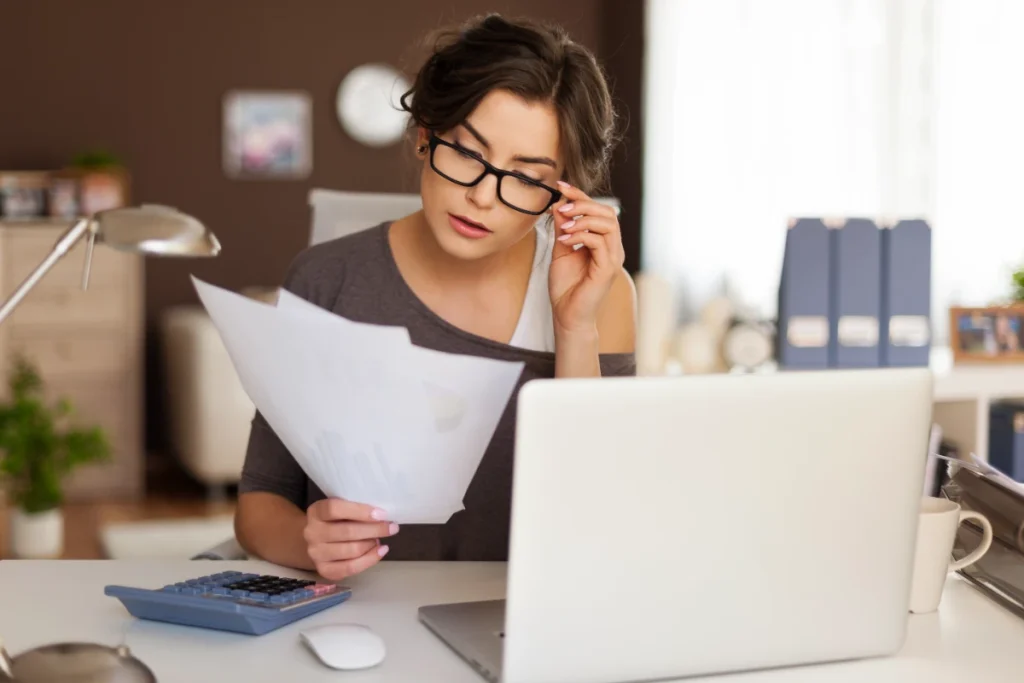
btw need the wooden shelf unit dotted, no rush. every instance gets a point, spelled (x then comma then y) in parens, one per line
(87, 345)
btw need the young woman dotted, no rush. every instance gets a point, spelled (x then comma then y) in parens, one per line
(509, 258)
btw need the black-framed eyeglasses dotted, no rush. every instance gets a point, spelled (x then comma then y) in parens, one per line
(464, 168)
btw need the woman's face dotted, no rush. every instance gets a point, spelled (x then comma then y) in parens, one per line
(511, 134)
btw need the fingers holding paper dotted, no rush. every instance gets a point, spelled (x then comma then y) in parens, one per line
(340, 570)
(328, 553)
(343, 538)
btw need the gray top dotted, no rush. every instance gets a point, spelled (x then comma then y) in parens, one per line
(356, 277)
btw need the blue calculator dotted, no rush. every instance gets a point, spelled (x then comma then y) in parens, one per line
(231, 601)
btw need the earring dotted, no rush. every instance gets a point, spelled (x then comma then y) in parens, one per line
(421, 149)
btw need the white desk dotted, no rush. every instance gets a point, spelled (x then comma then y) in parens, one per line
(969, 639)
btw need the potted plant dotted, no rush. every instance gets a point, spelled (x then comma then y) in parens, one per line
(102, 181)
(1018, 285)
(38, 448)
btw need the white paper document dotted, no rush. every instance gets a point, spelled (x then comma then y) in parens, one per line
(368, 416)
(998, 475)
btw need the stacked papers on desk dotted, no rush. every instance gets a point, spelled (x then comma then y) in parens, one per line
(370, 417)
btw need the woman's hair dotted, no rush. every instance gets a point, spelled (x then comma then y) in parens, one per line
(538, 62)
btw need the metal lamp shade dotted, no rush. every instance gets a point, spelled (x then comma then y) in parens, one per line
(154, 230)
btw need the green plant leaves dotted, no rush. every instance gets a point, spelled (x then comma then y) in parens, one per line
(1018, 285)
(38, 445)
(95, 159)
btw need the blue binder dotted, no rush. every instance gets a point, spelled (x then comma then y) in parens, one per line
(1006, 438)
(906, 329)
(803, 334)
(855, 285)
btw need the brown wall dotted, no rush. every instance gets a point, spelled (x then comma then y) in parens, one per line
(146, 79)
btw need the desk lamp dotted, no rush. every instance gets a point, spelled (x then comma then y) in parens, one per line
(151, 230)
(148, 229)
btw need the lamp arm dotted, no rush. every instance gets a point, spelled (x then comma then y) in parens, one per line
(62, 246)
(89, 245)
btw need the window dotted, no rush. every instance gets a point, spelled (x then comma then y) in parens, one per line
(756, 112)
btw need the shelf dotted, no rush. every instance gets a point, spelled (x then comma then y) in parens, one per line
(963, 395)
(44, 222)
(958, 382)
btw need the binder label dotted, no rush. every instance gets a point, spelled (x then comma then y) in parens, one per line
(808, 331)
(858, 330)
(909, 330)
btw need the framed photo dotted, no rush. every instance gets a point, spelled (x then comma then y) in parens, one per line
(993, 334)
(64, 201)
(268, 135)
(23, 194)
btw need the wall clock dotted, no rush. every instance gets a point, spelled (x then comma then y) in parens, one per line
(368, 105)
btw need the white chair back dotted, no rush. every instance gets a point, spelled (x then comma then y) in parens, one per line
(337, 213)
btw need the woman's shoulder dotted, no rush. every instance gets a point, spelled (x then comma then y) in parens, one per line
(321, 268)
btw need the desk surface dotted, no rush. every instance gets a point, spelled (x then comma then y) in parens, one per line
(969, 638)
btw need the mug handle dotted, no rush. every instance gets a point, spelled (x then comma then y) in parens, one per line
(986, 539)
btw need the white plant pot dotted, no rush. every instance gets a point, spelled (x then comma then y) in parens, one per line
(37, 535)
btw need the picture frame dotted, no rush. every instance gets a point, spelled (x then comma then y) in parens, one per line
(267, 134)
(23, 195)
(989, 334)
(64, 201)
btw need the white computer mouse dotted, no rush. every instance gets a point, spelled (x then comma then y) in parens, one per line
(345, 646)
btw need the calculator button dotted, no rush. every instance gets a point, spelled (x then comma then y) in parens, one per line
(171, 589)
(307, 593)
(279, 600)
(239, 593)
(258, 596)
(322, 588)
(191, 590)
(220, 590)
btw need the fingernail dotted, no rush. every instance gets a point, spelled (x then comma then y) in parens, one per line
(568, 224)
(382, 551)
(566, 209)
(393, 529)
(379, 515)
(562, 183)
(564, 238)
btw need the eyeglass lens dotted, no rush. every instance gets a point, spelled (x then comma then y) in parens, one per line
(466, 169)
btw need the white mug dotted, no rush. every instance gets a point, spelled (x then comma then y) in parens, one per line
(937, 524)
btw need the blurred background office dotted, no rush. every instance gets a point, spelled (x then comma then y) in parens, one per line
(257, 117)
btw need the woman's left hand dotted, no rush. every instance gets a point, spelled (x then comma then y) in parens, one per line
(580, 278)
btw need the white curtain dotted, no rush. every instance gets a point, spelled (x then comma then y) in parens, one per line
(756, 112)
(979, 154)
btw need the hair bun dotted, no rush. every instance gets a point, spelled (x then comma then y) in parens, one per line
(535, 60)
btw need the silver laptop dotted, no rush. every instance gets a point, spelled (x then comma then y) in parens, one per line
(669, 527)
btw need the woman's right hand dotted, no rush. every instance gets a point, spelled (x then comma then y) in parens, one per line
(343, 538)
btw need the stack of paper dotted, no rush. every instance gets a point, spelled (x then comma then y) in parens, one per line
(370, 417)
